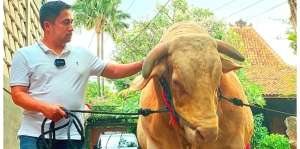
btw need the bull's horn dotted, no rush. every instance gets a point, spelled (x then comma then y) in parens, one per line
(156, 53)
(229, 50)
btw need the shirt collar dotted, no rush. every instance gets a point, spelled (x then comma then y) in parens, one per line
(47, 50)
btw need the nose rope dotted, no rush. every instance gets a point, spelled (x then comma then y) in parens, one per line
(169, 103)
(239, 102)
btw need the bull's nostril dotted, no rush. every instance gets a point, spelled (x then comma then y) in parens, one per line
(198, 134)
(208, 134)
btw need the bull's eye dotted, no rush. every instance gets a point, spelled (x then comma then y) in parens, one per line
(178, 88)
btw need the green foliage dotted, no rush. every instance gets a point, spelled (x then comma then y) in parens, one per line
(259, 131)
(121, 101)
(91, 92)
(274, 141)
(125, 101)
(103, 14)
(180, 10)
(253, 91)
(292, 37)
(121, 84)
(261, 138)
(233, 38)
(201, 14)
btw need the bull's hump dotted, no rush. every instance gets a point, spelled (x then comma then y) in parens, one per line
(181, 29)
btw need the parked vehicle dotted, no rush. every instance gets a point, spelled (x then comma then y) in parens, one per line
(117, 141)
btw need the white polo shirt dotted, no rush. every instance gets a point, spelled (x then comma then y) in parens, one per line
(33, 66)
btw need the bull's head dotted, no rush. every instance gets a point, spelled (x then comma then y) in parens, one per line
(192, 65)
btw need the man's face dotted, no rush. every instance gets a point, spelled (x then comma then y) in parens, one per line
(62, 28)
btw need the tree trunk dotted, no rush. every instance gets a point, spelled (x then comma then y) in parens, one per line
(98, 78)
(102, 57)
(99, 30)
(293, 18)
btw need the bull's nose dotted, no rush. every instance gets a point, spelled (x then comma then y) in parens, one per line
(207, 134)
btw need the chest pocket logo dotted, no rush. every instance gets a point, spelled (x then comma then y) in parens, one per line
(78, 68)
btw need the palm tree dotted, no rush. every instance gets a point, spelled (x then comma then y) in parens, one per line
(101, 15)
(293, 8)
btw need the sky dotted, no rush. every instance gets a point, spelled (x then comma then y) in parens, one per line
(268, 17)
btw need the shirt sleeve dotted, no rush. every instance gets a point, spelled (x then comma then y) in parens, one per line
(19, 73)
(97, 65)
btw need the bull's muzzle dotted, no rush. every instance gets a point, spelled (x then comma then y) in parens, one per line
(207, 134)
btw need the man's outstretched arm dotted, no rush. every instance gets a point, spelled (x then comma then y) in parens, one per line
(116, 71)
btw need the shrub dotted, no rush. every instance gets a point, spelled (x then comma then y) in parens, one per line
(253, 91)
(259, 131)
(274, 141)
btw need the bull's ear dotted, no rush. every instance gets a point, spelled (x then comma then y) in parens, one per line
(139, 82)
(227, 65)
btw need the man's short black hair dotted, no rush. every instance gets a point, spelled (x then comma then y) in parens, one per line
(50, 10)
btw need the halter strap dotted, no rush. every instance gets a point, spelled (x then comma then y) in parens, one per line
(168, 101)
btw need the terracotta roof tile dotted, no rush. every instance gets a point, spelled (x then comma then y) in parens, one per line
(267, 68)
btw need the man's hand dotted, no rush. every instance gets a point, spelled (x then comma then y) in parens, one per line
(53, 112)
(117, 71)
(21, 98)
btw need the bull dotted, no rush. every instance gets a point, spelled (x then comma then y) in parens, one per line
(188, 59)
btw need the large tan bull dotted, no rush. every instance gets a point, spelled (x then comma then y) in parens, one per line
(188, 58)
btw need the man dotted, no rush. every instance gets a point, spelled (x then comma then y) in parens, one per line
(49, 75)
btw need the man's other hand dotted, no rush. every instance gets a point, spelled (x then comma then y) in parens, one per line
(53, 112)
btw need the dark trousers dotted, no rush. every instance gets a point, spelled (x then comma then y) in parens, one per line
(27, 142)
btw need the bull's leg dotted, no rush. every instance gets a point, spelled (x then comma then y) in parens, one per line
(145, 141)
(141, 135)
(237, 142)
(152, 145)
